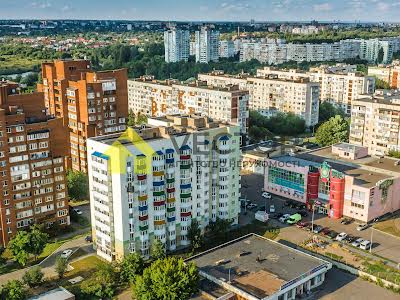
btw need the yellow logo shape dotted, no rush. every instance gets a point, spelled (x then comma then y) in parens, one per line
(119, 154)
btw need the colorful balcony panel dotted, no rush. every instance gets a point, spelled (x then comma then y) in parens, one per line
(186, 214)
(159, 203)
(143, 218)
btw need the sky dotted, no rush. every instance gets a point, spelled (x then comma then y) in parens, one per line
(204, 10)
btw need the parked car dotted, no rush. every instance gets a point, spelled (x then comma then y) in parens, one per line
(357, 242)
(350, 238)
(345, 221)
(251, 205)
(66, 253)
(294, 219)
(244, 202)
(77, 211)
(325, 231)
(276, 216)
(89, 239)
(317, 229)
(303, 213)
(365, 245)
(266, 195)
(302, 224)
(333, 234)
(362, 227)
(272, 208)
(341, 236)
(284, 218)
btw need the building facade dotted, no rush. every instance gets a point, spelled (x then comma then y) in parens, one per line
(377, 50)
(142, 193)
(375, 122)
(338, 85)
(177, 45)
(271, 94)
(32, 164)
(227, 49)
(158, 98)
(207, 45)
(389, 74)
(338, 181)
(91, 103)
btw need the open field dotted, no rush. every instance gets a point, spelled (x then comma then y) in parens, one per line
(391, 226)
(16, 64)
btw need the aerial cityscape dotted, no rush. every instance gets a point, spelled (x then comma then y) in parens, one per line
(200, 150)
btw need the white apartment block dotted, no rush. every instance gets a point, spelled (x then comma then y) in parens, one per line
(370, 50)
(207, 45)
(227, 49)
(375, 122)
(337, 87)
(278, 53)
(272, 94)
(159, 98)
(177, 45)
(139, 197)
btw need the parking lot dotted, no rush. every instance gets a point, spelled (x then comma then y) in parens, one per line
(252, 185)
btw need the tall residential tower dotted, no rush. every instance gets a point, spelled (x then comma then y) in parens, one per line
(177, 45)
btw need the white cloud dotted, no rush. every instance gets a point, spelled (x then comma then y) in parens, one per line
(323, 7)
(41, 4)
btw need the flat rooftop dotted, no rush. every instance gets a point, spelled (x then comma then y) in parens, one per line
(256, 265)
(366, 171)
(59, 293)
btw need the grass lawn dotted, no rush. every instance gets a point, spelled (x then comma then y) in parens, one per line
(16, 64)
(379, 269)
(74, 203)
(391, 226)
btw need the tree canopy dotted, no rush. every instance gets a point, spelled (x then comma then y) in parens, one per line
(78, 185)
(158, 250)
(131, 266)
(335, 130)
(328, 110)
(168, 278)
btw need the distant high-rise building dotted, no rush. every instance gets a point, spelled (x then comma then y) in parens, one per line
(207, 45)
(32, 164)
(92, 103)
(177, 45)
(377, 51)
(227, 49)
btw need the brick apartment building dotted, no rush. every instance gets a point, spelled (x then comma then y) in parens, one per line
(32, 163)
(91, 103)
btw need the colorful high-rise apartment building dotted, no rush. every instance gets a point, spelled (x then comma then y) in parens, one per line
(153, 181)
(32, 164)
(91, 103)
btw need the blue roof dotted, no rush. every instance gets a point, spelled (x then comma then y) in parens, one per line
(184, 147)
(140, 155)
(169, 150)
(100, 155)
(224, 138)
(159, 152)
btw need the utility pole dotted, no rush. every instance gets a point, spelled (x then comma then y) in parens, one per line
(372, 233)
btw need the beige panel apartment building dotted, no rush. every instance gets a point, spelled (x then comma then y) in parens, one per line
(375, 122)
(270, 94)
(159, 98)
(340, 84)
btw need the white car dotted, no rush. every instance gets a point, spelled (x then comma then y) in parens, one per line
(357, 242)
(365, 245)
(341, 236)
(66, 253)
(361, 227)
(266, 195)
(284, 218)
(272, 208)
(77, 211)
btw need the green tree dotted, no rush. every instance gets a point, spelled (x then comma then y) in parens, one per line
(61, 266)
(141, 119)
(78, 185)
(131, 118)
(194, 235)
(335, 130)
(13, 290)
(219, 229)
(19, 247)
(168, 278)
(328, 110)
(103, 282)
(130, 266)
(158, 250)
(33, 277)
(380, 56)
(381, 84)
(37, 240)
